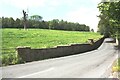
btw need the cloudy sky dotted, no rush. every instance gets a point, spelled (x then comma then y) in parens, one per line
(81, 11)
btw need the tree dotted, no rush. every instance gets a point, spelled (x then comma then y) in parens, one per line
(11, 22)
(53, 24)
(111, 19)
(36, 21)
(0, 22)
(25, 15)
(92, 30)
(104, 26)
(61, 25)
(18, 23)
(8, 22)
(36, 18)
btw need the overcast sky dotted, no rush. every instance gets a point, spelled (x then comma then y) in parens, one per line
(81, 11)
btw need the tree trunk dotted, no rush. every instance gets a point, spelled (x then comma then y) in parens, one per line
(25, 19)
(25, 25)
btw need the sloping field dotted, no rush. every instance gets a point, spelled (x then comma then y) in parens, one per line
(38, 38)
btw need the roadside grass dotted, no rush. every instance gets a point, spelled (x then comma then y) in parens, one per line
(38, 38)
(116, 66)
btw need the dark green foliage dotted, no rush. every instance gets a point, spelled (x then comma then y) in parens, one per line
(109, 23)
(36, 21)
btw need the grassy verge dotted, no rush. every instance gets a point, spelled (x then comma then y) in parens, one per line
(38, 38)
(116, 66)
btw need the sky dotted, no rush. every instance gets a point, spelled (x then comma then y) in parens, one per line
(81, 11)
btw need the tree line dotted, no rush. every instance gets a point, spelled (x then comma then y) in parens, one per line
(109, 23)
(36, 21)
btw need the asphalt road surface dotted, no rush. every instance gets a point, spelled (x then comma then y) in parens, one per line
(93, 64)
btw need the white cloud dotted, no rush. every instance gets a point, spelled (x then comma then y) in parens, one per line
(23, 4)
(96, 1)
(57, 3)
(54, 3)
(81, 13)
(84, 15)
(35, 3)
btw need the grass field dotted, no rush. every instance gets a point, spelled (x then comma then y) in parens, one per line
(38, 38)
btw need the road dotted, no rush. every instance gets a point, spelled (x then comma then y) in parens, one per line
(93, 64)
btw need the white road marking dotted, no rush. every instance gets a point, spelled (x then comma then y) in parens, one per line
(37, 73)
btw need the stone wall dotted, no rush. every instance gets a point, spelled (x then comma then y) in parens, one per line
(28, 54)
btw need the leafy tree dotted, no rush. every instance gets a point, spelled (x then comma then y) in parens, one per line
(110, 19)
(18, 23)
(8, 22)
(44, 25)
(36, 21)
(0, 22)
(92, 30)
(53, 24)
(36, 18)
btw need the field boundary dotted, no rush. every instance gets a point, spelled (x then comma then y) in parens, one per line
(28, 54)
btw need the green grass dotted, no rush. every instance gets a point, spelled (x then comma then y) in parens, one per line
(38, 38)
(116, 66)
